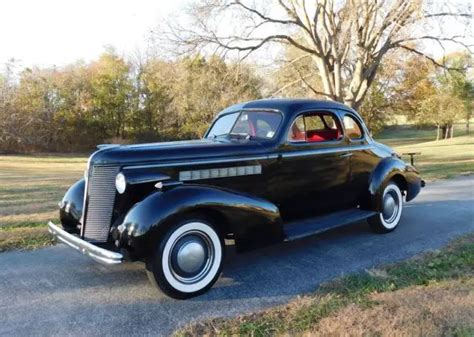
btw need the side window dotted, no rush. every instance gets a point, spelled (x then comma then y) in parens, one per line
(352, 127)
(315, 127)
(330, 121)
(243, 125)
(266, 124)
(313, 123)
(297, 130)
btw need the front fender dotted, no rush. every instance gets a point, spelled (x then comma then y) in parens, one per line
(392, 168)
(70, 208)
(247, 217)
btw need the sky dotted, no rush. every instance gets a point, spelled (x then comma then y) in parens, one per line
(55, 32)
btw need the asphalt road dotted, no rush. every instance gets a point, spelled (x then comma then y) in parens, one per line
(56, 291)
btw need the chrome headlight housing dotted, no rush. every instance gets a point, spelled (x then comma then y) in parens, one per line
(120, 183)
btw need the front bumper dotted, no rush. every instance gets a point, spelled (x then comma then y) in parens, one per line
(101, 255)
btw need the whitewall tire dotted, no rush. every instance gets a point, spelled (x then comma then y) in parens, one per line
(188, 259)
(392, 206)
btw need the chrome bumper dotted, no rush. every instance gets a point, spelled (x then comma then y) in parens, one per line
(101, 255)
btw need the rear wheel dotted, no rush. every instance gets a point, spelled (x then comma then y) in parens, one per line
(392, 205)
(188, 259)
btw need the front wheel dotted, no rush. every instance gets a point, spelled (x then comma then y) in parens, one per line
(392, 205)
(188, 259)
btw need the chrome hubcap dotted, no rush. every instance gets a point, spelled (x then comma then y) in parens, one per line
(191, 257)
(390, 206)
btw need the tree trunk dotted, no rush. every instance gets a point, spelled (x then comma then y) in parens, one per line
(452, 130)
(443, 131)
(437, 132)
(446, 131)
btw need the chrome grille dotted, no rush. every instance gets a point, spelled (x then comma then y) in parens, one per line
(100, 204)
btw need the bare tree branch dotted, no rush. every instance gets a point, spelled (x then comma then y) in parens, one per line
(429, 58)
(346, 40)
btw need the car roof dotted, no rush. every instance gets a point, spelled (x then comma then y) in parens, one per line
(288, 106)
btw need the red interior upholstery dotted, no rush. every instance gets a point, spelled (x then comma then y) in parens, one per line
(314, 135)
(322, 135)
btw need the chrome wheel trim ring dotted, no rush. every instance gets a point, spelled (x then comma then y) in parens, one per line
(392, 199)
(210, 266)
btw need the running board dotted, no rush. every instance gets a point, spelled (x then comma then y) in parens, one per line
(302, 228)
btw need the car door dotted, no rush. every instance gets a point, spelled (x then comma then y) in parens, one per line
(312, 167)
(363, 161)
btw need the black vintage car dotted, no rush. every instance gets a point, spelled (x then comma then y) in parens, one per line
(266, 171)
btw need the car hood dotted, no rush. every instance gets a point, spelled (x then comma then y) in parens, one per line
(174, 151)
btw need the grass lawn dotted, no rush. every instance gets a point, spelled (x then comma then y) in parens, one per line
(30, 189)
(444, 158)
(429, 295)
(398, 135)
(439, 159)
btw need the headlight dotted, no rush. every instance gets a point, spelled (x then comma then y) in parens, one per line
(120, 183)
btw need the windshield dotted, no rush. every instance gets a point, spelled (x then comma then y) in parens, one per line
(248, 124)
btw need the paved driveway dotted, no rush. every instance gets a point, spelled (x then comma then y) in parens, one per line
(56, 291)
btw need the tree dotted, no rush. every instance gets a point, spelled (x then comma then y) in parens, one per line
(178, 99)
(346, 40)
(377, 107)
(380, 101)
(36, 103)
(295, 76)
(458, 82)
(434, 96)
(8, 124)
(76, 123)
(152, 117)
(443, 110)
(416, 82)
(111, 90)
(206, 86)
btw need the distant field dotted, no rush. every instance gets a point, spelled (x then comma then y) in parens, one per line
(444, 158)
(396, 135)
(32, 186)
(438, 159)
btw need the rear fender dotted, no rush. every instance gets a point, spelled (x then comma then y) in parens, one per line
(249, 218)
(392, 168)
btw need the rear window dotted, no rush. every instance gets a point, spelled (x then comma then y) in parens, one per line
(352, 127)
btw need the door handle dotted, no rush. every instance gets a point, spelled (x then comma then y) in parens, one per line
(346, 155)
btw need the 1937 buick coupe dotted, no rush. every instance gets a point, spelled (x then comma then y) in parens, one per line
(266, 171)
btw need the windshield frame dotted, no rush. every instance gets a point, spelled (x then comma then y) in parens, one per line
(240, 111)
